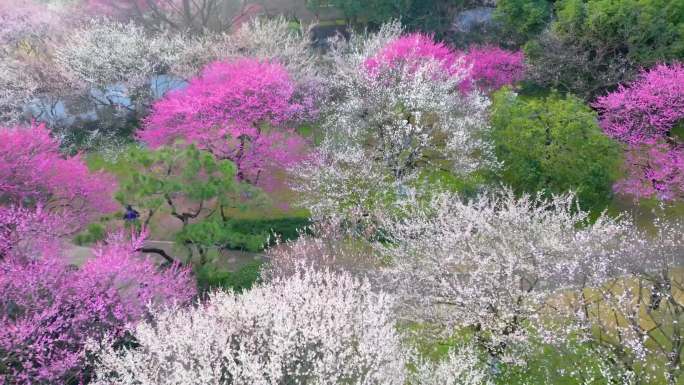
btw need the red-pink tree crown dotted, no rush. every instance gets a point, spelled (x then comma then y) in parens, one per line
(32, 170)
(642, 115)
(239, 110)
(50, 310)
(646, 109)
(487, 68)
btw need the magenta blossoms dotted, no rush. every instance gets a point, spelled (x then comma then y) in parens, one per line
(48, 310)
(644, 115)
(239, 110)
(491, 68)
(646, 109)
(413, 51)
(25, 231)
(654, 169)
(33, 170)
(485, 68)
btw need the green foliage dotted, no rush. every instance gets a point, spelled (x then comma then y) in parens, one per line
(287, 228)
(209, 277)
(173, 176)
(95, 232)
(553, 144)
(251, 235)
(432, 16)
(572, 363)
(216, 233)
(645, 30)
(521, 20)
(371, 11)
(595, 44)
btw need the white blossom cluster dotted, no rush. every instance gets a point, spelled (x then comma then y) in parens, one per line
(383, 131)
(272, 39)
(520, 272)
(637, 315)
(314, 327)
(17, 88)
(105, 53)
(492, 262)
(461, 366)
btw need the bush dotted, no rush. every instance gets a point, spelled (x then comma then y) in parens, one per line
(553, 144)
(209, 277)
(287, 228)
(95, 232)
(48, 310)
(522, 20)
(252, 235)
(596, 44)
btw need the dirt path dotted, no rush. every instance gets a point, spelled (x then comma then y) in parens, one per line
(229, 260)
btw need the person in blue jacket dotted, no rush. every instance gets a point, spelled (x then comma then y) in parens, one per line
(131, 215)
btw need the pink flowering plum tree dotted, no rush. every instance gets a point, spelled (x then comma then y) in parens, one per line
(646, 115)
(413, 51)
(646, 109)
(25, 231)
(485, 68)
(49, 310)
(492, 68)
(33, 171)
(238, 110)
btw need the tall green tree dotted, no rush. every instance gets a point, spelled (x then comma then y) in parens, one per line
(190, 183)
(521, 20)
(595, 44)
(554, 144)
(192, 186)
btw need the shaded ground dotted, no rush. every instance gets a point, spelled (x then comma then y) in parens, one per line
(227, 260)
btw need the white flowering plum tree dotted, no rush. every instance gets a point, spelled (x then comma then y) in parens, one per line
(314, 327)
(389, 128)
(634, 319)
(490, 264)
(105, 53)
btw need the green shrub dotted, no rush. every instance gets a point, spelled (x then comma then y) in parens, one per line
(252, 235)
(554, 144)
(209, 277)
(522, 20)
(595, 44)
(286, 228)
(95, 232)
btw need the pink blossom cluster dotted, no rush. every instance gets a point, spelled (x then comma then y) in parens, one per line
(654, 169)
(33, 171)
(49, 310)
(642, 115)
(26, 231)
(648, 108)
(413, 50)
(486, 68)
(238, 110)
(492, 68)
